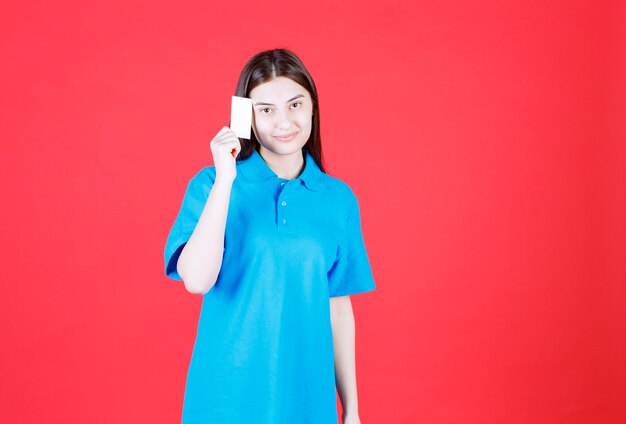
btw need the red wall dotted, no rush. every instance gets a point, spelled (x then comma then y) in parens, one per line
(485, 141)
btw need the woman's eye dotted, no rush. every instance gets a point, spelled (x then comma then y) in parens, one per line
(266, 108)
(297, 103)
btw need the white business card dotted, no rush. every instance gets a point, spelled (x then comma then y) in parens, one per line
(241, 116)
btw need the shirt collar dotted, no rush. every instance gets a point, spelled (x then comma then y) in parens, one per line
(255, 169)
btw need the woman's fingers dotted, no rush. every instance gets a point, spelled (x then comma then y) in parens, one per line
(225, 147)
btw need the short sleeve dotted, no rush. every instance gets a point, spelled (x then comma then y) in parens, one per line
(351, 273)
(189, 213)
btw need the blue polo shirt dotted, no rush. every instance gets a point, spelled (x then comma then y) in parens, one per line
(263, 352)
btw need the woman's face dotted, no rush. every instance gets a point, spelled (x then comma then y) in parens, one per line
(282, 108)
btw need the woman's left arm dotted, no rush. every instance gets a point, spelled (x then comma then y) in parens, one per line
(342, 320)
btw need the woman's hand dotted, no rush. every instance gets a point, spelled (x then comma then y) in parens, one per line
(225, 147)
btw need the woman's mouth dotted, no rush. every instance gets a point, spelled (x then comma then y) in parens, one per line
(286, 138)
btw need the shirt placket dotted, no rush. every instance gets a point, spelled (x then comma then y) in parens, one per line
(283, 223)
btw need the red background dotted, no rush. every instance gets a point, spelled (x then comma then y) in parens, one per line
(484, 139)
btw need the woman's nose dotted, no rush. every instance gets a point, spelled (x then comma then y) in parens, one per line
(282, 121)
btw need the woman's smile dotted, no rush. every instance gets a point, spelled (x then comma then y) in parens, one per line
(286, 138)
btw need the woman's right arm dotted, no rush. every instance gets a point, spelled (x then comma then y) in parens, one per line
(200, 261)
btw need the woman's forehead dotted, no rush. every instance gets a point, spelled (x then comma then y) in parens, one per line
(280, 89)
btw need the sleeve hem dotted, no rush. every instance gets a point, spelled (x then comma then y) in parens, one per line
(351, 292)
(172, 255)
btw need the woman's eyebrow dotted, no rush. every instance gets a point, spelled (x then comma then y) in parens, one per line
(270, 104)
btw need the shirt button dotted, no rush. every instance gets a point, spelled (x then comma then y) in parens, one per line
(284, 203)
(282, 184)
(284, 221)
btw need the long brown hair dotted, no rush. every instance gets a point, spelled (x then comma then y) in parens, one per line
(264, 67)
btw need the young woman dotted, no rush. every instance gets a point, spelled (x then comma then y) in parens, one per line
(274, 245)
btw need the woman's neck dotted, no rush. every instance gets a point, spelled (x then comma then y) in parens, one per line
(284, 166)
